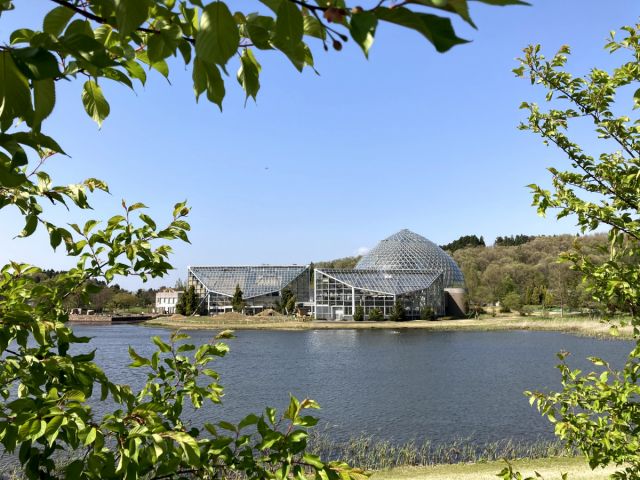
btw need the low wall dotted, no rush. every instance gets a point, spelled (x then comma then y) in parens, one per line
(99, 318)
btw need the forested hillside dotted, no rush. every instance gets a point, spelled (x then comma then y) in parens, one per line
(528, 273)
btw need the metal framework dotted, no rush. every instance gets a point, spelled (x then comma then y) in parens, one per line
(337, 292)
(261, 285)
(407, 250)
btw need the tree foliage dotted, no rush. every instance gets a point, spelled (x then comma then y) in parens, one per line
(513, 240)
(532, 271)
(598, 411)
(464, 242)
(188, 303)
(237, 302)
(375, 315)
(398, 313)
(286, 304)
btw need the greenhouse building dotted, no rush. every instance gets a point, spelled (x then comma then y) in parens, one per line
(262, 285)
(405, 267)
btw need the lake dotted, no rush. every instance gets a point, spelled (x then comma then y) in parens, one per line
(393, 385)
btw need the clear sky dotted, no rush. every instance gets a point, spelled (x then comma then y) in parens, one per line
(326, 165)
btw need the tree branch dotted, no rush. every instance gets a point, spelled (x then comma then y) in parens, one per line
(104, 21)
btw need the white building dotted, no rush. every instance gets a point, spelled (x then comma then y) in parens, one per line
(166, 300)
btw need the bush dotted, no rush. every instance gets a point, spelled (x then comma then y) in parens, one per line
(427, 313)
(511, 302)
(375, 315)
(358, 315)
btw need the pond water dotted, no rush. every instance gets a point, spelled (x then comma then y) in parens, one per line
(393, 385)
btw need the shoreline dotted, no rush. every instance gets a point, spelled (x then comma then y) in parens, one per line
(575, 326)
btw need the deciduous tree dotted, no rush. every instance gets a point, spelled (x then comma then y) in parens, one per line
(598, 411)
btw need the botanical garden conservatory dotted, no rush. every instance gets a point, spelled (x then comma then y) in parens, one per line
(405, 267)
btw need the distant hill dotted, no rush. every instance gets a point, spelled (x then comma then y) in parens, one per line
(345, 262)
(528, 269)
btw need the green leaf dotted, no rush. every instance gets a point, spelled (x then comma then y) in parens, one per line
(94, 102)
(31, 222)
(207, 78)
(636, 99)
(260, 29)
(313, 27)
(249, 73)
(138, 360)
(438, 30)
(15, 95)
(363, 28)
(36, 63)
(44, 99)
(289, 27)
(460, 7)
(250, 419)
(130, 14)
(55, 21)
(164, 347)
(218, 38)
(313, 460)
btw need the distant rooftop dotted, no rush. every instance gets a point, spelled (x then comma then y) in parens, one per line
(254, 280)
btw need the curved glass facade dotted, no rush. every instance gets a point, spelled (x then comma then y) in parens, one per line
(407, 250)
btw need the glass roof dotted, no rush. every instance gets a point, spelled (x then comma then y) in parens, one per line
(407, 250)
(253, 280)
(391, 282)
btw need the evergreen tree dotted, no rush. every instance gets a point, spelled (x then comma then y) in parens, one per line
(358, 315)
(398, 313)
(287, 302)
(375, 315)
(236, 301)
(188, 303)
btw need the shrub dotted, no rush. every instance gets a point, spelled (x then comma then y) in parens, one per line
(358, 314)
(375, 315)
(511, 302)
(427, 313)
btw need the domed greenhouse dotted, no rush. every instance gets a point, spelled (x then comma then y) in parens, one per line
(407, 250)
(404, 267)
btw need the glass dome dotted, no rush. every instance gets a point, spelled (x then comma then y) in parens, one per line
(407, 250)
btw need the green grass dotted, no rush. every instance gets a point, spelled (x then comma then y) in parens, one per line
(549, 468)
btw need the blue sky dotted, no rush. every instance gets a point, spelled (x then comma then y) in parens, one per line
(324, 165)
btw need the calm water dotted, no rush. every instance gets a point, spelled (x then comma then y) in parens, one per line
(395, 385)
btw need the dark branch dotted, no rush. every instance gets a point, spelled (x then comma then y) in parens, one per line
(104, 21)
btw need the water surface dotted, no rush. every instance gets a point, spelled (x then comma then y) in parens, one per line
(395, 385)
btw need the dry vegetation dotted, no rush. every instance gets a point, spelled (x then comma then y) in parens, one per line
(575, 325)
(549, 468)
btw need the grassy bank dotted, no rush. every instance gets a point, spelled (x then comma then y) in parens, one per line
(575, 325)
(549, 468)
(460, 459)
(376, 454)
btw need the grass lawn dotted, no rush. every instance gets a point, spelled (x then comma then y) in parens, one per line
(549, 468)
